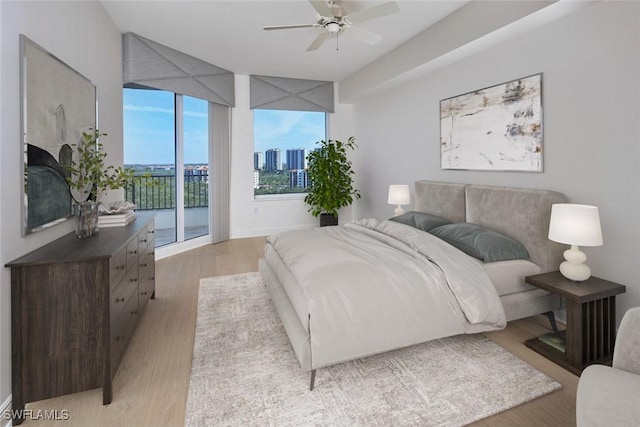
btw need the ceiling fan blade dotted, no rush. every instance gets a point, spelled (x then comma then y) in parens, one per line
(321, 7)
(365, 36)
(373, 12)
(318, 41)
(288, 27)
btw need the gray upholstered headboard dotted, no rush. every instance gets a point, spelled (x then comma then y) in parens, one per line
(444, 199)
(520, 213)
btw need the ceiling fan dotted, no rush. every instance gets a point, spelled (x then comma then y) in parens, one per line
(333, 19)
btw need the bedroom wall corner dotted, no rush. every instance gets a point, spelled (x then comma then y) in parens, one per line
(261, 217)
(590, 72)
(82, 35)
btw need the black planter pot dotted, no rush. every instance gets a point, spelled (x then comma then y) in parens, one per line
(328, 219)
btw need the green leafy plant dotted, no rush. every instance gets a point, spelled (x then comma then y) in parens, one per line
(88, 177)
(331, 177)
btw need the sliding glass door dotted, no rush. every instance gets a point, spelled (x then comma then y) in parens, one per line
(166, 141)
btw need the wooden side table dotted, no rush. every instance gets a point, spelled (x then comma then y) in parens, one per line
(591, 320)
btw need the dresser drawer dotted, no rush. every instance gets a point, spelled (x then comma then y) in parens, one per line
(117, 267)
(121, 294)
(151, 232)
(143, 240)
(122, 331)
(147, 283)
(147, 257)
(132, 253)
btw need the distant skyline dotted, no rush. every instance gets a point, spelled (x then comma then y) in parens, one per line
(149, 128)
(287, 129)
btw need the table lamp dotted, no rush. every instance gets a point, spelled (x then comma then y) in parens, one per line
(399, 195)
(575, 225)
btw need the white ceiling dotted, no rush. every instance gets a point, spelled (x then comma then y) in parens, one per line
(229, 34)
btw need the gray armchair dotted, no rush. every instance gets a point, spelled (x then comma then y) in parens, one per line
(610, 396)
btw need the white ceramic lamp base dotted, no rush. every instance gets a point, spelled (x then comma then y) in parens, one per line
(574, 267)
(398, 211)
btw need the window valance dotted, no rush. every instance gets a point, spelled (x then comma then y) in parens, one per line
(152, 65)
(280, 93)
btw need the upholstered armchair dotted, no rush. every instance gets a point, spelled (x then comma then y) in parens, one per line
(610, 396)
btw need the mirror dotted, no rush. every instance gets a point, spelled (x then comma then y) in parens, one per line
(57, 105)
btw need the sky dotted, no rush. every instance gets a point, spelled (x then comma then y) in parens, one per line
(287, 129)
(149, 128)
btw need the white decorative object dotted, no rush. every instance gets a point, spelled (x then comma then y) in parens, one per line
(399, 195)
(117, 207)
(575, 225)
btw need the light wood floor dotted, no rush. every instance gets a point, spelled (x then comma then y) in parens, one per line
(151, 386)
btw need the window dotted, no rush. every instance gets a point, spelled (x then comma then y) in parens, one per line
(282, 140)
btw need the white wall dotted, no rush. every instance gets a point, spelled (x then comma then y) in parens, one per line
(250, 217)
(83, 36)
(591, 92)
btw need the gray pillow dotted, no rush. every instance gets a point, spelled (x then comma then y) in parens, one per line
(420, 220)
(479, 242)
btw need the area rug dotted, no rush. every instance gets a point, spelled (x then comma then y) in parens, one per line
(244, 372)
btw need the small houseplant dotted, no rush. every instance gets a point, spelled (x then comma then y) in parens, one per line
(89, 179)
(331, 180)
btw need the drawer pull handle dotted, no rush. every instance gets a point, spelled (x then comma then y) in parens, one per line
(152, 278)
(133, 252)
(119, 267)
(133, 279)
(120, 338)
(152, 231)
(144, 240)
(143, 293)
(133, 313)
(120, 299)
(143, 265)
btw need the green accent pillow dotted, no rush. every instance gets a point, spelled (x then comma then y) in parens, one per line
(479, 242)
(420, 220)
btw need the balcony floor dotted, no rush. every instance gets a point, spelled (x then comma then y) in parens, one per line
(164, 236)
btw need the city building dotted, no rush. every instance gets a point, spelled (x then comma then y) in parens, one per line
(298, 179)
(273, 159)
(297, 159)
(258, 160)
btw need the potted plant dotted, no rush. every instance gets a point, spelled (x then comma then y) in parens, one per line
(89, 179)
(331, 181)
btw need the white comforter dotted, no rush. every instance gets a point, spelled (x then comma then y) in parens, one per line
(375, 286)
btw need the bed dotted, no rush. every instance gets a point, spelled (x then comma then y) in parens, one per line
(372, 286)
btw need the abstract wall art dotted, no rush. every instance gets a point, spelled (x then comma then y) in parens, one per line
(498, 128)
(58, 104)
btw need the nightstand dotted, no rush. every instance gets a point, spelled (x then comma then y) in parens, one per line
(591, 321)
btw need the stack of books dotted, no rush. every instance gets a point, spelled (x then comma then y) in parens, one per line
(555, 340)
(116, 220)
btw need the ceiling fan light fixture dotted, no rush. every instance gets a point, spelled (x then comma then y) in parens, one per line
(332, 27)
(332, 20)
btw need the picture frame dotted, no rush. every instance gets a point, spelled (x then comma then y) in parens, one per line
(57, 105)
(498, 128)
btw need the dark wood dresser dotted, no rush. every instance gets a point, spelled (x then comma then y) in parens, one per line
(75, 304)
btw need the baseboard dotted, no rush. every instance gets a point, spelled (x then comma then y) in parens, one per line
(6, 406)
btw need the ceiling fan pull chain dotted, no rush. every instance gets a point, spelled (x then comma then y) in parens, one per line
(337, 35)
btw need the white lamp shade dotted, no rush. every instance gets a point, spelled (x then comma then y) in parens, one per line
(575, 225)
(399, 195)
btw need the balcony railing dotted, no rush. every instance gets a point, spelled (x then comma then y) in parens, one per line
(151, 192)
